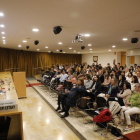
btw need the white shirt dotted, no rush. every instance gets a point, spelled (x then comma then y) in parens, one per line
(129, 79)
(133, 86)
(60, 67)
(126, 74)
(63, 77)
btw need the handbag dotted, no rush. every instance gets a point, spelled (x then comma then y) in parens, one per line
(116, 132)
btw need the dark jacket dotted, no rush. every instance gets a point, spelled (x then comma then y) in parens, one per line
(101, 78)
(114, 91)
(98, 87)
(73, 95)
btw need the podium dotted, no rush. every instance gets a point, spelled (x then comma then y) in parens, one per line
(20, 83)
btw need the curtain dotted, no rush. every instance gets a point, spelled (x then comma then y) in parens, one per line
(27, 60)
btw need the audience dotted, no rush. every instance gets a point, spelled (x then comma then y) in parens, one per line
(134, 82)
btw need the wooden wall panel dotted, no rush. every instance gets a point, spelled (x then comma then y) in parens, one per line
(131, 59)
(28, 60)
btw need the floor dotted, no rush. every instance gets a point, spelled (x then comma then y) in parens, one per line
(41, 122)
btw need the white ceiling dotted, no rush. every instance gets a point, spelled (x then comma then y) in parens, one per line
(107, 21)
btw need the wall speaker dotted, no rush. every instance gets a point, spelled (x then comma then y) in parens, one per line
(57, 30)
(36, 42)
(134, 40)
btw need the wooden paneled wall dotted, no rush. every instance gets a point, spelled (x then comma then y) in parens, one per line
(28, 60)
(131, 59)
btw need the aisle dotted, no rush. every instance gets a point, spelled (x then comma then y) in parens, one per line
(40, 122)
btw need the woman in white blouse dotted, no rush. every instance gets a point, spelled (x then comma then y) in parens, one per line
(129, 77)
(126, 72)
(134, 82)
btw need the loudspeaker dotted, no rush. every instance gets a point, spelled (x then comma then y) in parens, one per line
(36, 42)
(60, 50)
(134, 40)
(83, 47)
(57, 30)
(27, 47)
(51, 51)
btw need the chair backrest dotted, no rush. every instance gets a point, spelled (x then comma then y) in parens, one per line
(101, 102)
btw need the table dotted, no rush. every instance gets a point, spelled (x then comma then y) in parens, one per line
(16, 125)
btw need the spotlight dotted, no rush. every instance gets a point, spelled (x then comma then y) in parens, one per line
(27, 47)
(36, 42)
(51, 51)
(60, 50)
(83, 47)
(57, 30)
(134, 40)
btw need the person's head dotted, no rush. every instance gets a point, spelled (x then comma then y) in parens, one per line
(123, 73)
(69, 72)
(124, 65)
(118, 64)
(113, 72)
(130, 74)
(108, 64)
(94, 73)
(96, 63)
(64, 71)
(113, 81)
(88, 77)
(138, 74)
(80, 82)
(96, 78)
(135, 65)
(120, 68)
(126, 70)
(52, 69)
(127, 85)
(107, 74)
(84, 68)
(100, 72)
(131, 68)
(134, 79)
(74, 81)
(75, 74)
(137, 88)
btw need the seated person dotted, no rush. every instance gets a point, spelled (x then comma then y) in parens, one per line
(69, 76)
(95, 88)
(113, 74)
(129, 77)
(126, 93)
(121, 81)
(77, 71)
(101, 76)
(50, 75)
(131, 107)
(107, 79)
(64, 76)
(112, 90)
(77, 90)
(88, 81)
(73, 76)
(120, 70)
(134, 82)
(94, 74)
(126, 72)
(135, 73)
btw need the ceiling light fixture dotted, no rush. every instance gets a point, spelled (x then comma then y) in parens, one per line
(109, 50)
(49, 51)
(3, 40)
(19, 45)
(90, 49)
(38, 49)
(2, 25)
(2, 32)
(3, 37)
(63, 52)
(124, 39)
(35, 30)
(57, 50)
(113, 46)
(74, 50)
(60, 43)
(89, 44)
(1, 14)
(46, 47)
(24, 41)
(87, 35)
(78, 52)
(70, 48)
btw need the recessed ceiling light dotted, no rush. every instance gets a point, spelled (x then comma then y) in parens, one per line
(35, 30)
(90, 49)
(38, 49)
(89, 44)
(87, 35)
(3, 37)
(70, 48)
(113, 46)
(74, 50)
(1, 14)
(49, 51)
(78, 52)
(19, 45)
(63, 52)
(60, 43)
(24, 41)
(1, 25)
(3, 40)
(2, 32)
(124, 39)
(57, 50)
(46, 47)
(109, 50)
